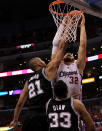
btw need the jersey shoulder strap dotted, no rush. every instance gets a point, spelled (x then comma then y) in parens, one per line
(44, 74)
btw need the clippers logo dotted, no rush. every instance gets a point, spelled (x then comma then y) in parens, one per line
(67, 74)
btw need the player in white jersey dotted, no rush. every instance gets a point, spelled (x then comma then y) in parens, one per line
(71, 76)
(71, 71)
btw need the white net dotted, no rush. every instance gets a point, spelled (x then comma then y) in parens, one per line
(66, 19)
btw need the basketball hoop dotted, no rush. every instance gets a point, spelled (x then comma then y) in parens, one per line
(67, 16)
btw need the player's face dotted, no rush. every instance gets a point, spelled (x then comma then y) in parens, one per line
(68, 57)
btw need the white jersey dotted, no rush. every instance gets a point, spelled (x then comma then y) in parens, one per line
(71, 76)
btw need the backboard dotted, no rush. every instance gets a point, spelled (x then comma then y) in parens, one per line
(92, 7)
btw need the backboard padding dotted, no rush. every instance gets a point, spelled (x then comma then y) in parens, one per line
(83, 5)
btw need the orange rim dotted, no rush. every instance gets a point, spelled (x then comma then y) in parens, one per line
(61, 2)
(56, 3)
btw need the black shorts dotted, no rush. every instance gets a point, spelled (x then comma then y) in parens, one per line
(35, 122)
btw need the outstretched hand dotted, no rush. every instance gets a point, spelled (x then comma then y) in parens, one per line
(82, 20)
(13, 124)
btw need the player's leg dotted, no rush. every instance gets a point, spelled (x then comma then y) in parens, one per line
(39, 123)
(26, 123)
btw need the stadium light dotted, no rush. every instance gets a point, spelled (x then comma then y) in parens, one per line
(6, 128)
(15, 92)
(100, 77)
(14, 73)
(26, 71)
(88, 80)
(3, 93)
(25, 46)
(92, 58)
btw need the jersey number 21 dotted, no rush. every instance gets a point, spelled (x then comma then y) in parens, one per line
(34, 89)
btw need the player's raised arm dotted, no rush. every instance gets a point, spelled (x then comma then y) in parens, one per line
(81, 61)
(60, 32)
(53, 65)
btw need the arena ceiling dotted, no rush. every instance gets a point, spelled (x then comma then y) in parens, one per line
(18, 15)
(22, 10)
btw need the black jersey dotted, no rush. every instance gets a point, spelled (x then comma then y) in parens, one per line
(62, 116)
(39, 89)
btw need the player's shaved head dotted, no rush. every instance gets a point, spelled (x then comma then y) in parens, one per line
(60, 89)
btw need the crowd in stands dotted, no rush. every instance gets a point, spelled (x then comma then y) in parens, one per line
(95, 110)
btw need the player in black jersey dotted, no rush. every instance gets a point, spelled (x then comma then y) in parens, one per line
(38, 90)
(63, 113)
